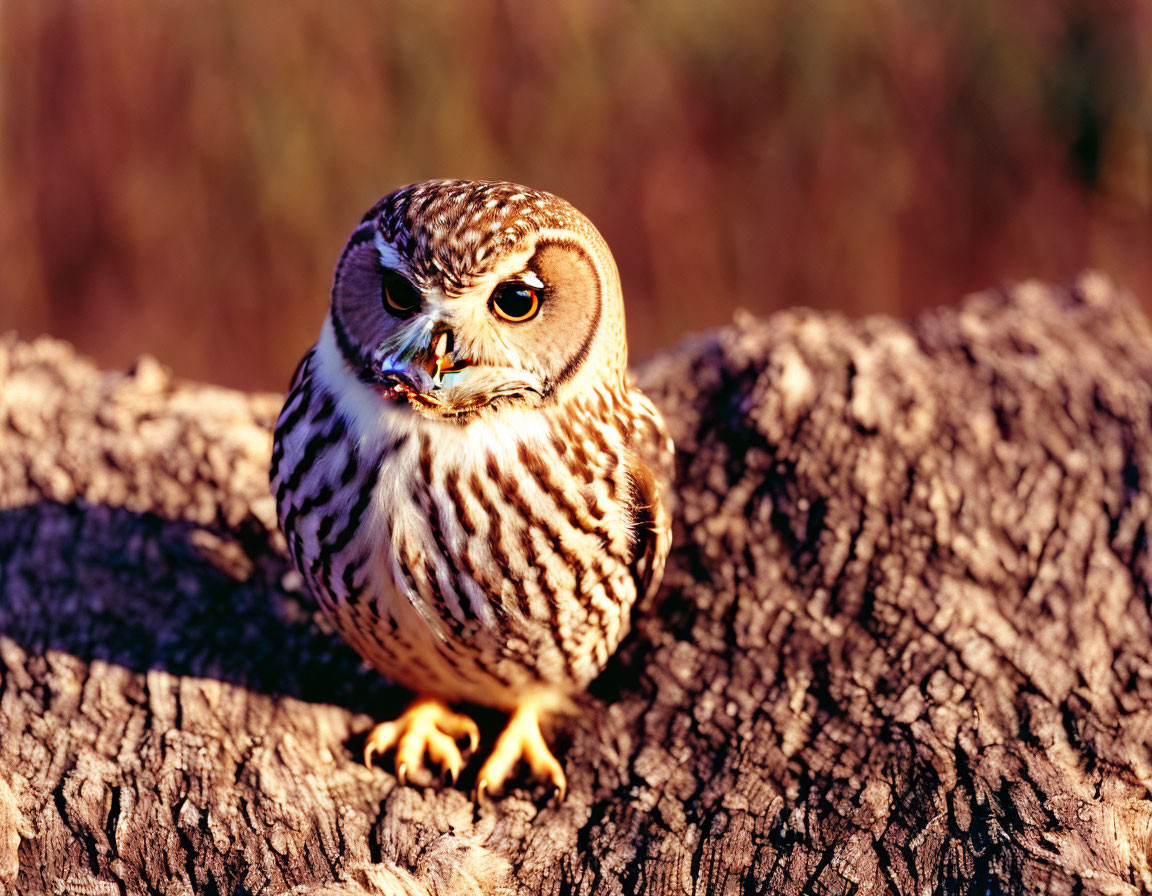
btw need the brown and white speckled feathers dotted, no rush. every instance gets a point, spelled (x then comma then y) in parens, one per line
(450, 232)
(485, 538)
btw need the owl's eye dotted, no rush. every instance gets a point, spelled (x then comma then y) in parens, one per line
(515, 302)
(401, 298)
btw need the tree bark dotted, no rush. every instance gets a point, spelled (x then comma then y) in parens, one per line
(902, 646)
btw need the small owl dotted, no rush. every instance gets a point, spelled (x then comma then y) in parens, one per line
(467, 481)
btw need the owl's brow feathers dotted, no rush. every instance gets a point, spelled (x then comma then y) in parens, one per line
(451, 231)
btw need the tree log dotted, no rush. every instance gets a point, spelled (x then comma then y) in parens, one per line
(902, 646)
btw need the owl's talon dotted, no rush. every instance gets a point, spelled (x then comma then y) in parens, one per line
(380, 740)
(520, 739)
(429, 729)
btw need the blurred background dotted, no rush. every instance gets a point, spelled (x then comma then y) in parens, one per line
(178, 178)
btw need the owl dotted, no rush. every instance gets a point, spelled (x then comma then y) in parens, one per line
(468, 482)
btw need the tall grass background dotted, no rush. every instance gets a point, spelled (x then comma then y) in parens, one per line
(178, 178)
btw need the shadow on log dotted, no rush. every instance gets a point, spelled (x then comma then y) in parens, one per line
(904, 643)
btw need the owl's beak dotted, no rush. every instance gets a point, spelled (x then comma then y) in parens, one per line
(441, 363)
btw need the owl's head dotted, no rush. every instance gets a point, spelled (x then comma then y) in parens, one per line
(457, 297)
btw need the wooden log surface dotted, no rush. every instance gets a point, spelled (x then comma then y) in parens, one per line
(903, 644)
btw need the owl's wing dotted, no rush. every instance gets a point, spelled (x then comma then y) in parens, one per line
(647, 560)
(650, 474)
(295, 406)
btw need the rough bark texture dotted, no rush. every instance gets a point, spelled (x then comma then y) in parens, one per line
(903, 644)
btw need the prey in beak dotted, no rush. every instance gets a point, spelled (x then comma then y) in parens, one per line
(419, 366)
(422, 365)
(441, 363)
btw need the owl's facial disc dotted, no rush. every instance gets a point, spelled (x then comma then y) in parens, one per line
(460, 297)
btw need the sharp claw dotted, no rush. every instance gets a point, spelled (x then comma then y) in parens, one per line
(482, 791)
(422, 737)
(521, 741)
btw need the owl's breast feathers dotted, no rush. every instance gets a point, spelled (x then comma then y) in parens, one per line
(475, 561)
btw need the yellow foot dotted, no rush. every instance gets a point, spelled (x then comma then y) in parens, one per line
(426, 727)
(520, 739)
